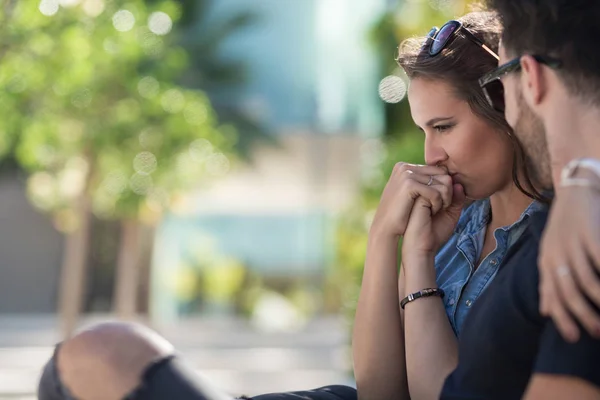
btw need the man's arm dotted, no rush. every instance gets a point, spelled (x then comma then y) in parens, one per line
(560, 387)
(565, 370)
(569, 260)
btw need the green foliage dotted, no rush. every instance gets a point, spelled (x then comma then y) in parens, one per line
(90, 106)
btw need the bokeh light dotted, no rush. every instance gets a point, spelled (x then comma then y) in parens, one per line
(71, 182)
(217, 164)
(69, 3)
(441, 5)
(148, 87)
(185, 164)
(392, 89)
(157, 199)
(200, 149)
(72, 179)
(48, 7)
(123, 20)
(160, 23)
(46, 155)
(42, 184)
(140, 184)
(71, 130)
(150, 138)
(93, 8)
(115, 183)
(152, 45)
(173, 101)
(195, 113)
(145, 163)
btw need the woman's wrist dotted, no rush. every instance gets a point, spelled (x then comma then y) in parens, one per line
(379, 237)
(418, 259)
(419, 272)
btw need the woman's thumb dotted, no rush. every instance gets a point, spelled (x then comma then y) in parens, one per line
(458, 198)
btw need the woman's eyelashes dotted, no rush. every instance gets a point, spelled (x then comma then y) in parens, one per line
(443, 128)
(440, 128)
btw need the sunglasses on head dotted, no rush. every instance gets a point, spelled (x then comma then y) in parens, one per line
(491, 83)
(438, 39)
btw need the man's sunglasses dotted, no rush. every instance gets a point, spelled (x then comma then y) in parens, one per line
(438, 39)
(491, 83)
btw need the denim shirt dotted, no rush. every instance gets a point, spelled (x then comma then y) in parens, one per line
(456, 261)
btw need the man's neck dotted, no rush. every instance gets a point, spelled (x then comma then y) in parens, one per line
(572, 131)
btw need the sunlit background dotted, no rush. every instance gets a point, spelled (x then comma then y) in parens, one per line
(206, 167)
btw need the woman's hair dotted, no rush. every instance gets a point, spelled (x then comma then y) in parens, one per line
(461, 63)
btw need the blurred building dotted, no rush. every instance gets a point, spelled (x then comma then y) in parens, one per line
(313, 82)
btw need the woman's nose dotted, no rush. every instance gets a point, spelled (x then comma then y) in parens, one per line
(434, 153)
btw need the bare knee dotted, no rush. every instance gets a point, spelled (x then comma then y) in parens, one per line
(106, 361)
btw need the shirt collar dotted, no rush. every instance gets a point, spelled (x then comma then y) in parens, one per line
(475, 217)
(480, 214)
(531, 209)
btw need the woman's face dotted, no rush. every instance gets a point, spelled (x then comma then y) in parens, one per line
(477, 155)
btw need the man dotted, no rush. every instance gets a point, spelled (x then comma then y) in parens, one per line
(550, 69)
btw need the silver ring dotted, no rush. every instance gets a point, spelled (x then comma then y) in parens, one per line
(430, 180)
(563, 271)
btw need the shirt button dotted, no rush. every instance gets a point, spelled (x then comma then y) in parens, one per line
(494, 262)
(451, 302)
(468, 303)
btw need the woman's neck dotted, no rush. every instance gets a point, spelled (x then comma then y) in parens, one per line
(507, 205)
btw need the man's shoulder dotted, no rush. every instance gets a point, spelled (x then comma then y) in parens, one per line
(501, 333)
(524, 252)
(519, 273)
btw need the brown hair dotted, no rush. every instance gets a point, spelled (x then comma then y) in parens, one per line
(461, 63)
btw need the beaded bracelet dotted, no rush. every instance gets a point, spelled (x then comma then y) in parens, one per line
(422, 293)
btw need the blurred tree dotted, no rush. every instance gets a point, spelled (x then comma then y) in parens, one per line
(91, 109)
(402, 141)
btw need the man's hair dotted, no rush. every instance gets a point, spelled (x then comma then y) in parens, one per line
(564, 29)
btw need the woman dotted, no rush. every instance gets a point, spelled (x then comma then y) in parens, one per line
(471, 156)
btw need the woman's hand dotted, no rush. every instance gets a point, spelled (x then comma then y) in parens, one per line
(428, 229)
(407, 183)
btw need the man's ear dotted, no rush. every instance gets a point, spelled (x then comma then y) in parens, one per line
(533, 81)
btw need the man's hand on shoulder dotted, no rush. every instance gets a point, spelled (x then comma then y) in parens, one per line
(569, 262)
